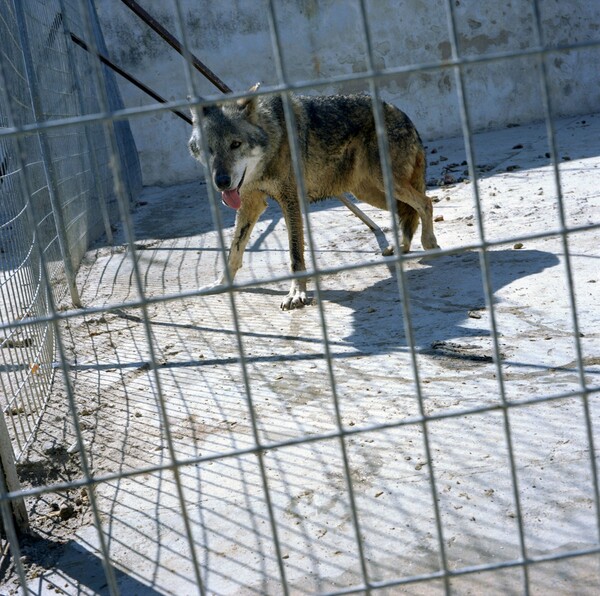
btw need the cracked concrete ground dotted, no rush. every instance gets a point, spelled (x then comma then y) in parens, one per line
(285, 389)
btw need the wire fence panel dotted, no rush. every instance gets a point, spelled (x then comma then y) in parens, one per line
(426, 424)
(44, 78)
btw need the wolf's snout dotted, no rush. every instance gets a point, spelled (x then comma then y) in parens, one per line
(222, 181)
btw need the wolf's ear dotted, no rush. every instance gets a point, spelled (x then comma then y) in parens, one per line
(248, 104)
(195, 110)
(195, 115)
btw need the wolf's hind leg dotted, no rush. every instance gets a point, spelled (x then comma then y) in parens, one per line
(408, 216)
(422, 204)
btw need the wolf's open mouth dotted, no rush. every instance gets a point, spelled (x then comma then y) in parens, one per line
(232, 198)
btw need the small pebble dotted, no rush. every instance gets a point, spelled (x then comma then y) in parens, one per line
(66, 511)
(48, 447)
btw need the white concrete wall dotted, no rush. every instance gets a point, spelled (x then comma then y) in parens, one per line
(324, 38)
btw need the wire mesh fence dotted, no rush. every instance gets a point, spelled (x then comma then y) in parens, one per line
(426, 425)
(57, 193)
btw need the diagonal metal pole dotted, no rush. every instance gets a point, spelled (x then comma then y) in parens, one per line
(127, 76)
(177, 45)
(219, 84)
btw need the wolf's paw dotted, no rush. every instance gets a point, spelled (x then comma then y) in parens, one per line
(215, 285)
(295, 299)
(429, 243)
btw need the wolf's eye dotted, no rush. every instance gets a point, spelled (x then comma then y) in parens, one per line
(235, 145)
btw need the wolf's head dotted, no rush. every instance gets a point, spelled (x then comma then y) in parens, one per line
(235, 143)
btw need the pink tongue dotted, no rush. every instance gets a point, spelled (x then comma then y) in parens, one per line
(231, 198)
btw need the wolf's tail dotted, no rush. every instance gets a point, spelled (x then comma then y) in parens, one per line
(409, 220)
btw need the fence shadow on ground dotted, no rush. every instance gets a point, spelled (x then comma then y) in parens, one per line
(71, 568)
(441, 297)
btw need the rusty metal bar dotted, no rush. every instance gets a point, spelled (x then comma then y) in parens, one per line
(128, 77)
(219, 84)
(176, 45)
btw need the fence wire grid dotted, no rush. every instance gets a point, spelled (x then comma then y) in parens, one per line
(57, 193)
(160, 436)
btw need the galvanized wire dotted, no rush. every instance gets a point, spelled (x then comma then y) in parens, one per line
(49, 185)
(564, 236)
(68, 175)
(487, 285)
(47, 236)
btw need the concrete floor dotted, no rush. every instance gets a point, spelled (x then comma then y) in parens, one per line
(287, 387)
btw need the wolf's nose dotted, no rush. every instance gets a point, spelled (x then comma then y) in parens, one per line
(223, 181)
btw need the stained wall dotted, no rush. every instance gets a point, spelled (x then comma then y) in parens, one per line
(325, 38)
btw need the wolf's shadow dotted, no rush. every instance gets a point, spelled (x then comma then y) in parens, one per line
(441, 297)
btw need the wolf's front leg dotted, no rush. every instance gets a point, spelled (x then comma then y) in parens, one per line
(296, 297)
(252, 207)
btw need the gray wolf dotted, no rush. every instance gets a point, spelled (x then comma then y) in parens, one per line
(249, 160)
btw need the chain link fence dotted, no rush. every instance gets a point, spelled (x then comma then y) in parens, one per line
(427, 425)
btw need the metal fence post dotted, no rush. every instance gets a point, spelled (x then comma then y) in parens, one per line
(53, 194)
(11, 483)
